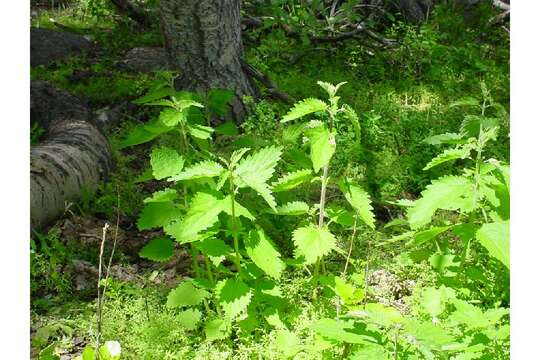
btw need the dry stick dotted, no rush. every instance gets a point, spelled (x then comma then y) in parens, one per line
(266, 81)
(104, 236)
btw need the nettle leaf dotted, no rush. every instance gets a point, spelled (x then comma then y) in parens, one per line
(291, 180)
(172, 117)
(186, 294)
(202, 169)
(233, 297)
(166, 195)
(330, 88)
(339, 215)
(263, 253)
(446, 138)
(360, 201)
(239, 210)
(313, 243)
(322, 145)
(381, 314)
(293, 208)
(202, 214)
(343, 331)
(145, 133)
(215, 249)
(434, 300)
(470, 126)
(200, 132)
(218, 100)
(303, 108)
(448, 155)
(157, 214)
(160, 249)
(495, 237)
(469, 315)
(155, 95)
(228, 128)
(288, 343)
(217, 329)
(370, 351)
(421, 237)
(352, 116)
(291, 133)
(446, 193)
(254, 170)
(189, 319)
(165, 162)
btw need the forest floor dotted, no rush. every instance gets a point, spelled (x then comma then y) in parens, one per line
(402, 95)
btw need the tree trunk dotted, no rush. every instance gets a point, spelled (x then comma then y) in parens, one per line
(73, 157)
(203, 41)
(415, 11)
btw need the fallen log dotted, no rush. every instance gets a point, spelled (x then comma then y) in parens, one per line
(74, 155)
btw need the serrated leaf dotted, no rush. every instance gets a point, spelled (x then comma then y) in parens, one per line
(442, 261)
(288, 343)
(470, 126)
(216, 329)
(340, 215)
(446, 193)
(343, 331)
(303, 108)
(292, 132)
(313, 243)
(215, 249)
(263, 253)
(351, 115)
(202, 213)
(359, 200)
(292, 208)
(448, 155)
(495, 237)
(189, 319)
(434, 300)
(291, 180)
(186, 294)
(154, 95)
(469, 314)
(344, 290)
(160, 249)
(255, 169)
(145, 133)
(322, 146)
(233, 297)
(227, 128)
(423, 236)
(166, 195)
(165, 162)
(370, 351)
(330, 88)
(202, 169)
(218, 100)
(172, 117)
(157, 214)
(200, 132)
(446, 138)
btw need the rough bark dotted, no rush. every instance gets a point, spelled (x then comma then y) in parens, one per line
(74, 155)
(203, 41)
(415, 11)
(132, 10)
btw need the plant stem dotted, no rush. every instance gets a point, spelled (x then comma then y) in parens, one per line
(234, 229)
(209, 269)
(99, 295)
(350, 247)
(322, 202)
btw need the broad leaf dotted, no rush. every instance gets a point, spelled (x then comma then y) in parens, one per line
(329, 88)
(157, 214)
(313, 243)
(186, 294)
(165, 162)
(189, 319)
(303, 108)
(446, 138)
(233, 297)
(218, 100)
(449, 155)
(215, 249)
(227, 128)
(291, 180)
(322, 146)
(495, 237)
(293, 208)
(217, 329)
(434, 300)
(202, 214)
(360, 201)
(202, 169)
(166, 195)
(343, 331)
(263, 253)
(200, 132)
(155, 95)
(172, 117)
(160, 249)
(145, 133)
(239, 210)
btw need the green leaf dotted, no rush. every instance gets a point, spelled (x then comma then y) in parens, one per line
(343, 331)
(351, 115)
(322, 146)
(218, 100)
(446, 138)
(145, 133)
(165, 162)
(202, 169)
(227, 128)
(172, 117)
(217, 329)
(200, 131)
(379, 314)
(255, 169)
(370, 352)
(186, 294)
(359, 200)
(155, 95)
(340, 215)
(495, 237)
(429, 334)
(470, 127)
(423, 236)
(202, 214)
(447, 193)
(442, 261)
(233, 296)
(293, 208)
(263, 253)
(303, 108)
(157, 214)
(166, 195)
(239, 210)
(434, 300)
(291, 133)
(467, 101)
(344, 290)
(313, 243)
(448, 155)
(189, 319)
(215, 249)
(329, 88)
(160, 249)
(291, 180)
(288, 343)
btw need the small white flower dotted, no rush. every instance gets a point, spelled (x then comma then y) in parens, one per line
(114, 348)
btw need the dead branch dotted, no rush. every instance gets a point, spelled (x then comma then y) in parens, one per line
(266, 81)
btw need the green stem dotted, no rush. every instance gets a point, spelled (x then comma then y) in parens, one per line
(234, 229)
(194, 257)
(350, 247)
(209, 269)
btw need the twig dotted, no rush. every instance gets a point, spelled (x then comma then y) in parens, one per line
(104, 237)
(266, 81)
